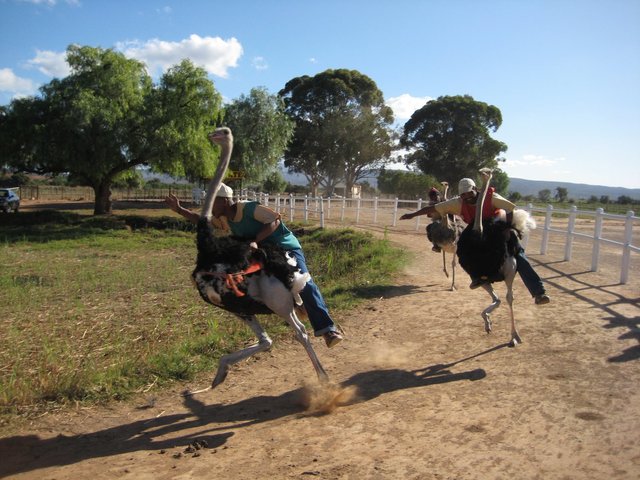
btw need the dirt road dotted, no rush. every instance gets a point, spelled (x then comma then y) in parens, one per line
(436, 397)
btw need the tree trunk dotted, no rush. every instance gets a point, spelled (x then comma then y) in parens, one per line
(102, 204)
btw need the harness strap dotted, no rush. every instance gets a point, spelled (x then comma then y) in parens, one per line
(233, 279)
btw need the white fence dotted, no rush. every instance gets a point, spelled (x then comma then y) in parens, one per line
(597, 227)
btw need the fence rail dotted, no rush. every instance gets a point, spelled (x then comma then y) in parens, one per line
(613, 231)
(621, 232)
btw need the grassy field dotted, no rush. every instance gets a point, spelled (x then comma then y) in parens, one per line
(98, 308)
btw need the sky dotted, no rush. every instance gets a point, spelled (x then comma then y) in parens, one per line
(564, 73)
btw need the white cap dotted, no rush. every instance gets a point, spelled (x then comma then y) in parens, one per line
(466, 185)
(225, 191)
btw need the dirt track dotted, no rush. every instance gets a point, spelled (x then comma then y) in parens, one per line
(437, 397)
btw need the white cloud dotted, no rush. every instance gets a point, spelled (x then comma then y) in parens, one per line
(259, 63)
(404, 105)
(52, 64)
(167, 10)
(313, 60)
(17, 86)
(214, 54)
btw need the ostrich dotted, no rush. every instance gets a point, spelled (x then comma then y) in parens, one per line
(487, 250)
(231, 275)
(444, 233)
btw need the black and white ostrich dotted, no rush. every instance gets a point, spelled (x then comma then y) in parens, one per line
(245, 281)
(487, 249)
(444, 232)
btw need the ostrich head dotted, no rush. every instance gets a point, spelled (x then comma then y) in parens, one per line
(221, 136)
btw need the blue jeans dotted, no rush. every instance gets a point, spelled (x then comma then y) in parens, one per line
(313, 302)
(529, 277)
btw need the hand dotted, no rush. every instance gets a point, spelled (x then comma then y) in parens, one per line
(172, 202)
(406, 216)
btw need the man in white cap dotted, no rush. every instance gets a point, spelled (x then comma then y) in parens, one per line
(464, 205)
(256, 223)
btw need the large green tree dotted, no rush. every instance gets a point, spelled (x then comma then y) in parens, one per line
(449, 137)
(107, 117)
(342, 127)
(262, 130)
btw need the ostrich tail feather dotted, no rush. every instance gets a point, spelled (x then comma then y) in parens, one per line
(523, 221)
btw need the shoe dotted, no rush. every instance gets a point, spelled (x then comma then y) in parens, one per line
(332, 338)
(436, 249)
(476, 282)
(542, 299)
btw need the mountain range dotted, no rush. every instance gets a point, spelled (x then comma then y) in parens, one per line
(575, 191)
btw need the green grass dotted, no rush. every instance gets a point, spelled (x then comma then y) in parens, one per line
(98, 308)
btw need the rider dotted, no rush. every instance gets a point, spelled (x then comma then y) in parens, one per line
(258, 223)
(465, 206)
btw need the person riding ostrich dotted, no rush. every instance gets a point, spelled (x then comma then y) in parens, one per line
(444, 232)
(489, 248)
(464, 205)
(245, 280)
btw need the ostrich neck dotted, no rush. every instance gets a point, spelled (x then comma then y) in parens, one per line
(214, 185)
(482, 195)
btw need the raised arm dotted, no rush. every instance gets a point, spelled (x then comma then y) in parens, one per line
(174, 204)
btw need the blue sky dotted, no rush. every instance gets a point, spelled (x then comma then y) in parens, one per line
(564, 73)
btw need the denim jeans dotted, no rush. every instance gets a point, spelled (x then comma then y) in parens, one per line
(529, 277)
(317, 311)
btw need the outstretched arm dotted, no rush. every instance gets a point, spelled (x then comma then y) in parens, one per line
(174, 204)
(428, 210)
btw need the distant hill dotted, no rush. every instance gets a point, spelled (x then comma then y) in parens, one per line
(575, 191)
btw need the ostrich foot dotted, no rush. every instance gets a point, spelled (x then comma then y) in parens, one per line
(221, 375)
(515, 340)
(188, 393)
(487, 323)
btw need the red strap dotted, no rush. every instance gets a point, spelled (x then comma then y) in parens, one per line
(233, 279)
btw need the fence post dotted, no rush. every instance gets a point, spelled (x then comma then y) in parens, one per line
(395, 212)
(597, 237)
(344, 205)
(291, 200)
(357, 211)
(568, 246)
(306, 208)
(525, 240)
(321, 213)
(626, 249)
(328, 207)
(418, 217)
(545, 232)
(375, 211)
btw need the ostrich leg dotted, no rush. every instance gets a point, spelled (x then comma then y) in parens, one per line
(263, 343)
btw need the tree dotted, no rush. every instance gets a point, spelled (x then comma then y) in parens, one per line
(406, 185)
(544, 195)
(274, 183)
(342, 127)
(449, 137)
(261, 131)
(514, 197)
(500, 181)
(561, 194)
(107, 117)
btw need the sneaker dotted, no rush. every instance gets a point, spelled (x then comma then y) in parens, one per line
(542, 299)
(436, 249)
(476, 282)
(332, 338)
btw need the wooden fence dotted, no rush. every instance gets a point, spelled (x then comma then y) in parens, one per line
(621, 233)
